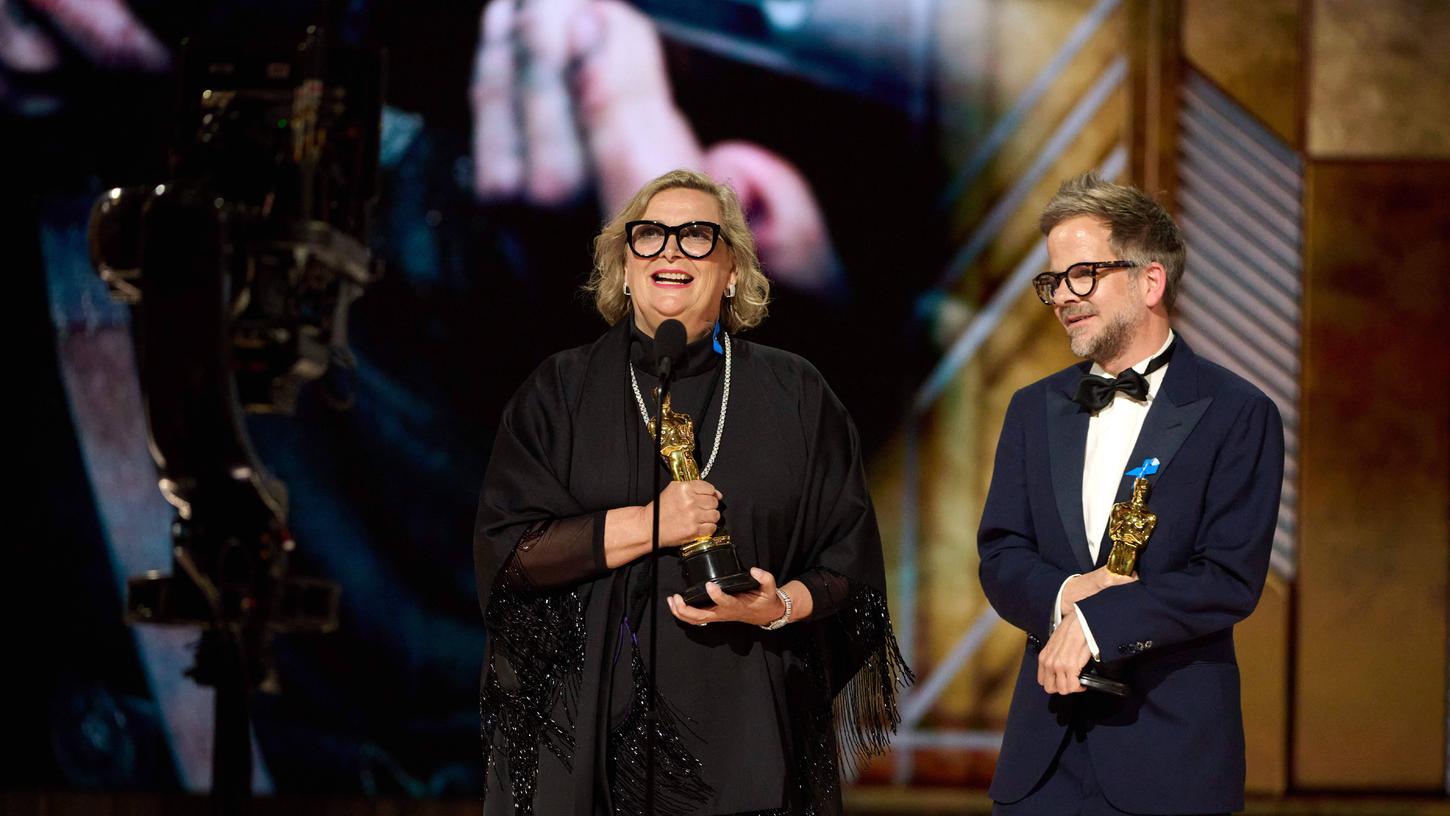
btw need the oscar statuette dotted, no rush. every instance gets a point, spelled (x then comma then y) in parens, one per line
(707, 558)
(1129, 527)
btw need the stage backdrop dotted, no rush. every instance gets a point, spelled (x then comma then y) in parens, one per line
(893, 157)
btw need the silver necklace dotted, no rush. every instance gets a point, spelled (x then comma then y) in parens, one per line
(724, 403)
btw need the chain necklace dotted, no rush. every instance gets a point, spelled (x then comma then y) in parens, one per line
(724, 403)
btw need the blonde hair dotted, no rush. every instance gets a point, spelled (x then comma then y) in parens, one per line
(752, 289)
(1139, 228)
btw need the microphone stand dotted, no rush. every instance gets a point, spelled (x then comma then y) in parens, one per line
(651, 718)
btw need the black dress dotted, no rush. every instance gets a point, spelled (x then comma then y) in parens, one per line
(746, 715)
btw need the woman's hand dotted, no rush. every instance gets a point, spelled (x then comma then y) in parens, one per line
(758, 606)
(688, 510)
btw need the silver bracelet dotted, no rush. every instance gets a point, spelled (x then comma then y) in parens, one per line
(783, 619)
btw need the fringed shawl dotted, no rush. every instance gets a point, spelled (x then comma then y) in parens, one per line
(556, 739)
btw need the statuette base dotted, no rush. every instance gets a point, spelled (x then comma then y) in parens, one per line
(720, 564)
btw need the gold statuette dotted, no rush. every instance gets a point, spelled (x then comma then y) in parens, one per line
(1129, 527)
(706, 558)
(677, 445)
(677, 442)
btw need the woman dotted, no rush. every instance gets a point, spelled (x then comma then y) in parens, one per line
(746, 687)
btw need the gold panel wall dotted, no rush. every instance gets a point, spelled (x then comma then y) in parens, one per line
(1251, 49)
(1370, 683)
(1379, 79)
(1261, 644)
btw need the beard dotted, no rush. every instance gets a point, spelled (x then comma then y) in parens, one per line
(1110, 340)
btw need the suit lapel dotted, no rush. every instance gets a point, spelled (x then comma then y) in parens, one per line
(1176, 410)
(1067, 426)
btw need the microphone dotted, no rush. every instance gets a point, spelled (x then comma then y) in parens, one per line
(669, 348)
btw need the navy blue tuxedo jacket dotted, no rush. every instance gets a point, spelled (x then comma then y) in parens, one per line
(1175, 744)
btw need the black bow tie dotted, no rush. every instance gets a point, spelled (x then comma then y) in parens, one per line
(1094, 392)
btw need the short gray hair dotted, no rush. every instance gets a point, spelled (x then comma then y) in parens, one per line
(1139, 228)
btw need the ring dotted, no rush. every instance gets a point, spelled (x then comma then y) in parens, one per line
(702, 623)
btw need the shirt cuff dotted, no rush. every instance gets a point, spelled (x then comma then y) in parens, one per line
(1057, 602)
(1087, 633)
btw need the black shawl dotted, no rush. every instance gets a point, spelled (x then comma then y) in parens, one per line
(746, 714)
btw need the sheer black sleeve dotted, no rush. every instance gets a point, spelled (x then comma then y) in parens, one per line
(557, 553)
(829, 591)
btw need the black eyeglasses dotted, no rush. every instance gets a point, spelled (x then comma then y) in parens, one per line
(695, 238)
(1082, 278)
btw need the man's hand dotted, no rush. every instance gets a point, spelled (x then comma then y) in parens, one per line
(1062, 659)
(1086, 586)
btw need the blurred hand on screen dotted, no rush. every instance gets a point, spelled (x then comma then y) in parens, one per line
(103, 32)
(573, 95)
(569, 94)
(790, 230)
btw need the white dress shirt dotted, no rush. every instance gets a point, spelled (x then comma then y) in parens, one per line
(1112, 433)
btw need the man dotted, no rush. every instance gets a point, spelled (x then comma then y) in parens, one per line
(1174, 744)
